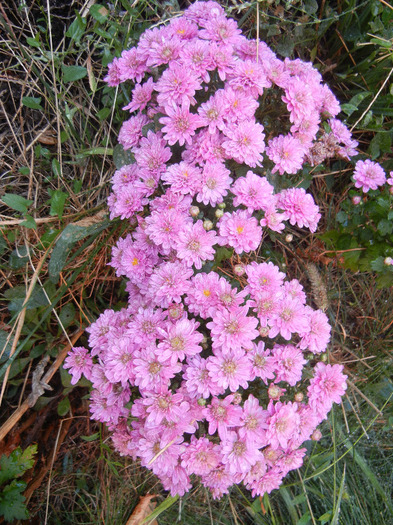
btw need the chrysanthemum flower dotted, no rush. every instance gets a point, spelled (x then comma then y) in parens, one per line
(195, 245)
(179, 124)
(368, 175)
(78, 362)
(287, 153)
(239, 230)
(233, 329)
(131, 131)
(300, 208)
(253, 191)
(245, 143)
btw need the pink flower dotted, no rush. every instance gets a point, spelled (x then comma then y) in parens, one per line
(245, 143)
(200, 457)
(150, 373)
(368, 175)
(179, 339)
(215, 183)
(195, 245)
(287, 153)
(262, 362)
(326, 387)
(300, 208)
(253, 191)
(263, 277)
(78, 361)
(231, 329)
(317, 339)
(183, 178)
(229, 370)
(283, 424)
(169, 282)
(164, 404)
(238, 454)
(197, 379)
(289, 364)
(131, 65)
(180, 125)
(141, 96)
(221, 414)
(254, 424)
(291, 318)
(239, 230)
(249, 76)
(201, 298)
(177, 85)
(152, 153)
(131, 131)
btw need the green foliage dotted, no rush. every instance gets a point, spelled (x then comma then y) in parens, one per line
(12, 467)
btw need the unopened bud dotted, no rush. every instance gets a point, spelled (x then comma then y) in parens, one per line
(194, 211)
(201, 402)
(222, 205)
(391, 190)
(263, 331)
(237, 398)
(316, 435)
(289, 237)
(388, 261)
(275, 392)
(239, 269)
(356, 199)
(175, 311)
(299, 397)
(219, 213)
(208, 225)
(324, 357)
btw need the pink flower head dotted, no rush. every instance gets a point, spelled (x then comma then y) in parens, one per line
(368, 175)
(131, 65)
(245, 143)
(263, 277)
(131, 131)
(254, 424)
(195, 245)
(78, 361)
(221, 415)
(179, 339)
(233, 329)
(177, 85)
(250, 77)
(287, 153)
(200, 457)
(283, 425)
(141, 96)
(180, 125)
(238, 454)
(300, 208)
(291, 318)
(197, 379)
(253, 191)
(289, 363)
(169, 282)
(326, 387)
(263, 365)
(222, 30)
(152, 153)
(229, 370)
(239, 230)
(215, 183)
(317, 339)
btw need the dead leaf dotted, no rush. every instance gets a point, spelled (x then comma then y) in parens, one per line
(48, 138)
(142, 510)
(89, 221)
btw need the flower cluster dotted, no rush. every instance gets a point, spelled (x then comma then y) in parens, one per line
(192, 341)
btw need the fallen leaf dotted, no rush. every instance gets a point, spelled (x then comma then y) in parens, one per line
(142, 510)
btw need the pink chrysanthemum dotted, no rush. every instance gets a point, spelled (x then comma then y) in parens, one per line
(180, 125)
(169, 282)
(152, 154)
(263, 277)
(238, 454)
(283, 424)
(78, 362)
(253, 191)
(326, 387)
(289, 363)
(183, 178)
(287, 153)
(250, 77)
(141, 96)
(200, 457)
(239, 230)
(131, 131)
(233, 329)
(215, 183)
(317, 339)
(229, 370)
(300, 208)
(221, 415)
(368, 175)
(262, 362)
(179, 339)
(197, 379)
(177, 85)
(245, 143)
(195, 245)
(291, 318)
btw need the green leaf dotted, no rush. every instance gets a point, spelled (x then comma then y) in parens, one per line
(18, 258)
(341, 217)
(381, 143)
(12, 502)
(72, 73)
(93, 437)
(77, 28)
(122, 157)
(378, 265)
(385, 227)
(16, 202)
(57, 202)
(325, 517)
(348, 108)
(5, 347)
(33, 42)
(67, 315)
(338, 502)
(16, 464)
(70, 235)
(29, 222)
(385, 280)
(306, 518)
(63, 407)
(32, 102)
(99, 12)
(168, 502)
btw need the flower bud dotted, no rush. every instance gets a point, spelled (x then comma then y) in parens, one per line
(263, 331)
(299, 397)
(237, 398)
(222, 205)
(289, 237)
(391, 190)
(201, 402)
(208, 225)
(388, 261)
(324, 357)
(239, 269)
(194, 211)
(175, 311)
(275, 392)
(356, 199)
(219, 213)
(316, 435)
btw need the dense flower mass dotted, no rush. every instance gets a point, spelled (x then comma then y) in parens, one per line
(193, 340)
